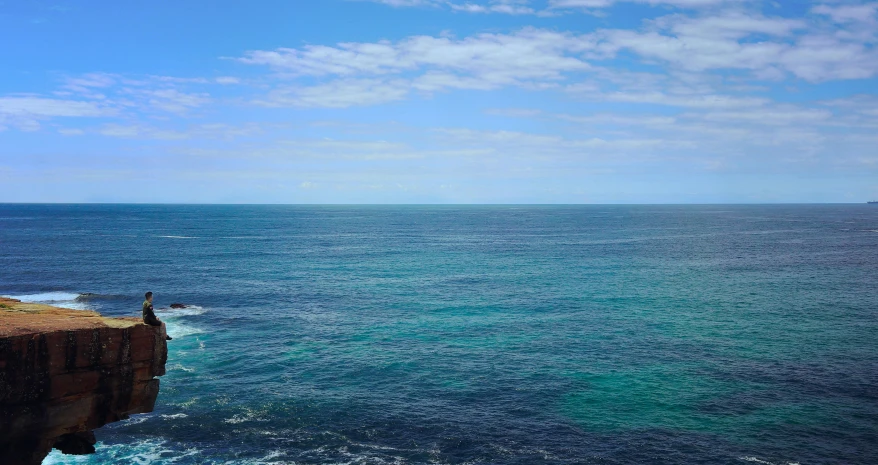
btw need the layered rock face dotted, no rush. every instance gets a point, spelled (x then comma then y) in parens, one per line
(64, 373)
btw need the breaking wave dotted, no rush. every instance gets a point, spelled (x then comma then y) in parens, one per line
(58, 299)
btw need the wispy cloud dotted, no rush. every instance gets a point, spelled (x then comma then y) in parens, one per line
(770, 48)
(25, 112)
(528, 58)
(767, 48)
(551, 7)
(341, 93)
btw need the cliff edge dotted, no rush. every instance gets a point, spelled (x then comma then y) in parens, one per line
(64, 373)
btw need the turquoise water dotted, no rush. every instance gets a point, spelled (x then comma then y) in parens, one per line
(480, 335)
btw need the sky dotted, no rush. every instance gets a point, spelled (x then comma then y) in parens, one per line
(439, 101)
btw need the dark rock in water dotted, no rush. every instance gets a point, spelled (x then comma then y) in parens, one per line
(64, 373)
(178, 306)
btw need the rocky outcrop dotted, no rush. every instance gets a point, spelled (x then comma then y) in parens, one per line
(64, 373)
(177, 306)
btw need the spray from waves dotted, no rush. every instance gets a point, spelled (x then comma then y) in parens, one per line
(58, 299)
(155, 452)
(148, 452)
(190, 310)
(173, 318)
(179, 330)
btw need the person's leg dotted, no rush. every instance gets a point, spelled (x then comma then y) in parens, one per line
(165, 330)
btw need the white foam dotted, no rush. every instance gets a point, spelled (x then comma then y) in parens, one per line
(46, 297)
(242, 417)
(178, 330)
(149, 452)
(174, 416)
(756, 460)
(179, 237)
(135, 420)
(58, 299)
(190, 310)
(269, 459)
(175, 328)
(178, 366)
(763, 462)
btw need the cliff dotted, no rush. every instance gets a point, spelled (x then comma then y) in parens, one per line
(64, 373)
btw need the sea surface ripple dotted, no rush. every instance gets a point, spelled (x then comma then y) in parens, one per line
(479, 334)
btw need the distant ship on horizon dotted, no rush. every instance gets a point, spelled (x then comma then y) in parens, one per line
(873, 201)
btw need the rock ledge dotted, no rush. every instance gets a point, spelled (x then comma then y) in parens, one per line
(64, 373)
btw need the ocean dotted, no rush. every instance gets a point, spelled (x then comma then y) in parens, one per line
(714, 334)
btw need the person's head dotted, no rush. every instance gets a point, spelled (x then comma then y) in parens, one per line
(149, 296)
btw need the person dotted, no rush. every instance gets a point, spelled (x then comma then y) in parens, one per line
(149, 316)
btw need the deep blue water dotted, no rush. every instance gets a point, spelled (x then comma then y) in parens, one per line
(480, 335)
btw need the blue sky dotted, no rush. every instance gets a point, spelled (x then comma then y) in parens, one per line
(439, 101)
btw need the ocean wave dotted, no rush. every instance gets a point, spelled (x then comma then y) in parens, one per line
(137, 419)
(91, 296)
(172, 318)
(178, 330)
(178, 237)
(190, 310)
(269, 459)
(243, 417)
(174, 416)
(180, 367)
(55, 298)
(47, 297)
(764, 462)
(148, 452)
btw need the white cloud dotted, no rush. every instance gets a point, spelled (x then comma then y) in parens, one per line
(163, 93)
(849, 13)
(514, 112)
(116, 130)
(768, 47)
(174, 101)
(525, 7)
(45, 107)
(689, 47)
(226, 80)
(340, 93)
(25, 112)
(198, 131)
(87, 83)
(529, 58)
(510, 7)
(527, 54)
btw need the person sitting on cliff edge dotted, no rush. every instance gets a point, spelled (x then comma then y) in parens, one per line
(149, 316)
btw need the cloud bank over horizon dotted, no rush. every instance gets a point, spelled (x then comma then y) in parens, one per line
(433, 101)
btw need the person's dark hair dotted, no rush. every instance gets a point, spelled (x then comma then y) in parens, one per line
(148, 295)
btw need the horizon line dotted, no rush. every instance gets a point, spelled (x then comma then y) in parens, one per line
(431, 204)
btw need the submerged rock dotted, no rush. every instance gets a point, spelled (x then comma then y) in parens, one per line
(179, 306)
(64, 373)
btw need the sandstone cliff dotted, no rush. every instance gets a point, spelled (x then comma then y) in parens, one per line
(64, 373)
